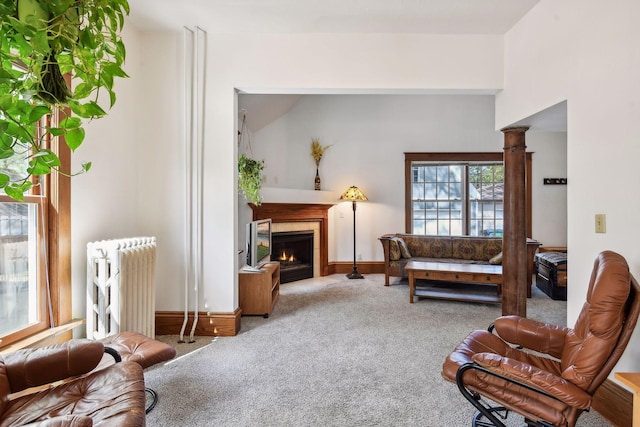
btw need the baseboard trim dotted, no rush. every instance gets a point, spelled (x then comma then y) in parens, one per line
(209, 324)
(364, 267)
(615, 403)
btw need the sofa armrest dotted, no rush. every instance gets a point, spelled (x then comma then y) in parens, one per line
(385, 240)
(34, 367)
(531, 334)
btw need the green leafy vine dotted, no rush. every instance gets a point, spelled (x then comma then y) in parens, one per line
(250, 178)
(41, 41)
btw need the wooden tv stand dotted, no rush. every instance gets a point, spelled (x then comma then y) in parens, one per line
(258, 291)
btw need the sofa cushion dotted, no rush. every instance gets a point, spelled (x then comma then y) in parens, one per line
(394, 249)
(404, 250)
(428, 246)
(475, 248)
(496, 260)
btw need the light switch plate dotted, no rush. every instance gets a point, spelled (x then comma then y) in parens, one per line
(601, 223)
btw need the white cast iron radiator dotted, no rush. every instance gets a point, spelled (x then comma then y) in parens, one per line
(121, 286)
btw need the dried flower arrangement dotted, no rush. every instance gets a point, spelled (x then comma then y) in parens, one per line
(317, 150)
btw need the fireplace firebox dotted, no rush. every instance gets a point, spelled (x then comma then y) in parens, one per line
(294, 250)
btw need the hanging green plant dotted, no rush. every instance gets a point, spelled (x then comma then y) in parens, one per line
(40, 42)
(250, 178)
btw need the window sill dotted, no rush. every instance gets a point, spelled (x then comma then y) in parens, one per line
(48, 334)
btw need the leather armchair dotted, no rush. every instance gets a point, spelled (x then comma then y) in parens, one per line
(548, 373)
(68, 391)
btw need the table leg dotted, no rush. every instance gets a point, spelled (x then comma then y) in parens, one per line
(412, 286)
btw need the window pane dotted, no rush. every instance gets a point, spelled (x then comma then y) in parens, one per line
(443, 228)
(416, 173)
(487, 210)
(430, 173)
(456, 191)
(432, 213)
(15, 166)
(456, 210)
(418, 192)
(443, 173)
(455, 173)
(460, 198)
(430, 191)
(18, 266)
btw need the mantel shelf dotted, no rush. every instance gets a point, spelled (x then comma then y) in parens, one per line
(294, 195)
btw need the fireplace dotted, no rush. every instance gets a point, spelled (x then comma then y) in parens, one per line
(294, 251)
(301, 216)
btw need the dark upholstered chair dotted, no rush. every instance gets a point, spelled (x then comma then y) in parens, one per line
(543, 372)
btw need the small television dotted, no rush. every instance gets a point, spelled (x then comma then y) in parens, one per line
(258, 244)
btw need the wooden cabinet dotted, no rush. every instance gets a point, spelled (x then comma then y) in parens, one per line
(258, 291)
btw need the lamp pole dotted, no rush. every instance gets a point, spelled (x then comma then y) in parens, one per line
(354, 274)
(354, 194)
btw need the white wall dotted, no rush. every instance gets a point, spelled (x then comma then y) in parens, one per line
(104, 200)
(369, 135)
(136, 184)
(549, 206)
(586, 53)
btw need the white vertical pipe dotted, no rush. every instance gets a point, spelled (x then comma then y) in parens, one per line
(189, 70)
(200, 73)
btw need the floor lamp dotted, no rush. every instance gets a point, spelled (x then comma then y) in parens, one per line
(353, 194)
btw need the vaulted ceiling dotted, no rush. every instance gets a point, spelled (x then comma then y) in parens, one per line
(336, 16)
(333, 16)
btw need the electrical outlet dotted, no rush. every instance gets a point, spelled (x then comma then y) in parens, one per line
(601, 223)
(359, 257)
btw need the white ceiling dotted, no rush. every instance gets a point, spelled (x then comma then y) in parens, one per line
(332, 16)
(336, 16)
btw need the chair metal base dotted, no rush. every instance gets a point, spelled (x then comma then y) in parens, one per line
(479, 421)
(152, 399)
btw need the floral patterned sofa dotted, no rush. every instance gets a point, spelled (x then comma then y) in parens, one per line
(400, 248)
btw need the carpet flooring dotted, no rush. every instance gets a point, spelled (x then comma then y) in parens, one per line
(335, 352)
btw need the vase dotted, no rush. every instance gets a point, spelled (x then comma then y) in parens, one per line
(317, 182)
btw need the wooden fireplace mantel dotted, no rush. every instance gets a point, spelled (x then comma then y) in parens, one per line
(300, 212)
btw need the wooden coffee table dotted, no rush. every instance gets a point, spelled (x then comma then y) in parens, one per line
(455, 273)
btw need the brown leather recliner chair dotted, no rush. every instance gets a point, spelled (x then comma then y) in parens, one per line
(113, 396)
(552, 384)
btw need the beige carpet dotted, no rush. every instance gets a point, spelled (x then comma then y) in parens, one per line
(335, 352)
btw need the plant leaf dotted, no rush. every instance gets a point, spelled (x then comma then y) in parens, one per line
(70, 123)
(74, 138)
(37, 113)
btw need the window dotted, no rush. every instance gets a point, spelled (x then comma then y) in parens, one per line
(455, 193)
(22, 302)
(35, 284)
